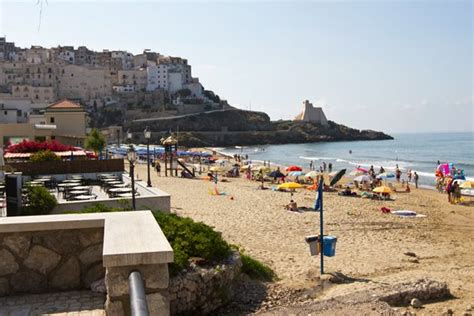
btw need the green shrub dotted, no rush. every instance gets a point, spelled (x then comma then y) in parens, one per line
(40, 201)
(44, 155)
(191, 239)
(256, 269)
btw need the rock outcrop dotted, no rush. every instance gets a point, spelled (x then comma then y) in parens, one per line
(238, 127)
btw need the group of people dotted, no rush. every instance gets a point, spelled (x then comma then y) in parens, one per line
(446, 182)
(323, 168)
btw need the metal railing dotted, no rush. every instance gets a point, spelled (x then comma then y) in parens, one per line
(136, 288)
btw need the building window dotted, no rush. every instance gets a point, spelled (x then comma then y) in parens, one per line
(51, 120)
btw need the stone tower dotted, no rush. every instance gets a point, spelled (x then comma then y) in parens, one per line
(312, 114)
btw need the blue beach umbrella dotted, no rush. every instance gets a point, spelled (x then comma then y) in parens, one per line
(385, 175)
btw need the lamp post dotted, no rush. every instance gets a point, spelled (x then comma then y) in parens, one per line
(147, 133)
(132, 158)
(129, 136)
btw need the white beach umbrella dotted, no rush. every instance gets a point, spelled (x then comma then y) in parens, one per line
(362, 178)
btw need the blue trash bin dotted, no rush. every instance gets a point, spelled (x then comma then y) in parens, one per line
(329, 246)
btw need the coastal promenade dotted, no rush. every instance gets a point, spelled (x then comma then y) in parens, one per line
(372, 248)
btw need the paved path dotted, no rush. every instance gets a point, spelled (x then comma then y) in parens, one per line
(84, 303)
(179, 116)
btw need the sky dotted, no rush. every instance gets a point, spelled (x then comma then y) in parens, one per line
(395, 66)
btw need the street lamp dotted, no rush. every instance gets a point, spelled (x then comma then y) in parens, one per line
(147, 133)
(132, 158)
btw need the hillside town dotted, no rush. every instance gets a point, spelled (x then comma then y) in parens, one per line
(33, 79)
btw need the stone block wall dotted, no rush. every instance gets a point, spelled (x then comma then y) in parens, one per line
(203, 289)
(38, 262)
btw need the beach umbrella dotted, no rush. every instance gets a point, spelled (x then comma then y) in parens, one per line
(382, 189)
(296, 173)
(385, 175)
(467, 185)
(294, 168)
(290, 185)
(362, 178)
(312, 174)
(337, 177)
(276, 174)
(358, 172)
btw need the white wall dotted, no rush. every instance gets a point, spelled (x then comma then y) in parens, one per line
(175, 82)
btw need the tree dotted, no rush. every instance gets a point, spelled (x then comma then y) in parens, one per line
(184, 93)
(95, 141)
(44, 155)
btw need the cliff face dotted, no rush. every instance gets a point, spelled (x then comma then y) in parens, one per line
(237, 127)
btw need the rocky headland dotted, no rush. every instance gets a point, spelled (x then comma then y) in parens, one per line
(232, 127)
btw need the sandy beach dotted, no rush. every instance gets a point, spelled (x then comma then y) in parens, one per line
(371, 246)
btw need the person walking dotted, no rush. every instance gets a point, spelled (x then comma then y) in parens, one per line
(398, 174)
(158, 168)
(416, 177)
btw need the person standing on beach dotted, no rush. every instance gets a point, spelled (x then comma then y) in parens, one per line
(324, 166)
(158, 168)
(311, 165)
(398, 174)
(409, 175)
(330, 167)
(416, 177)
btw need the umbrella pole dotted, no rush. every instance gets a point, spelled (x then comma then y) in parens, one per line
(321, 226)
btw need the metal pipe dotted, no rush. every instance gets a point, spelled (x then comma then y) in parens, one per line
(136, 288)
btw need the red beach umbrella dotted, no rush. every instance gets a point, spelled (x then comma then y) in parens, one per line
(294, 168)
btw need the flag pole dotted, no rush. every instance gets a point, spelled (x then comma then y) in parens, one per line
(321, 223)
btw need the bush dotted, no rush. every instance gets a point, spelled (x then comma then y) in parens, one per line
(191, 239)
(40, 201)
(256, 269)
(44, 155)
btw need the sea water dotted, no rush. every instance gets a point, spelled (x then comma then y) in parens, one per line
(416, 152)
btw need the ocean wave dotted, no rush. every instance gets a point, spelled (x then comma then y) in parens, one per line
(317, 158)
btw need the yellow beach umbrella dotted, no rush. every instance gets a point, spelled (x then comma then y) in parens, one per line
(382, 189)
(467, 185)
(290, 185)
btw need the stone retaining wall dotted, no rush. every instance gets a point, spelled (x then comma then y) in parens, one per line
(38, 262)
(203, 289)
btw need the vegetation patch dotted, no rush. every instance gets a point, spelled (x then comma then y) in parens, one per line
(44, 155)
(191, 239)
(256, 269)
(39, 201)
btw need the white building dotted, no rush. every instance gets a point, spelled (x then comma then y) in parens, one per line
(157, 77)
